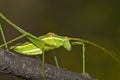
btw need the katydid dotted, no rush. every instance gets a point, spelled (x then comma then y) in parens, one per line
(57, 41)
(39, 45)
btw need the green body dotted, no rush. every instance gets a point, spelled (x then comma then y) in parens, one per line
(52, 39)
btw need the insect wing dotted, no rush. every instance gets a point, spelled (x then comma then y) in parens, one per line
(27, 48)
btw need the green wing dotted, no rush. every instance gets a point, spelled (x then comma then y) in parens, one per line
(27, 48)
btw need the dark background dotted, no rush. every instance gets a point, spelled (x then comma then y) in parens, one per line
(94, 20)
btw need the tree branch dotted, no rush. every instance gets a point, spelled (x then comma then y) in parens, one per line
(29, 68)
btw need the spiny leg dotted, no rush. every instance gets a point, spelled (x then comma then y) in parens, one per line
(3, 36)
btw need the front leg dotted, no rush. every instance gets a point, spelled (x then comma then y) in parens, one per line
(83, 54)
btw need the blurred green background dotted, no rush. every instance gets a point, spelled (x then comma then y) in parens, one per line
(94, 20)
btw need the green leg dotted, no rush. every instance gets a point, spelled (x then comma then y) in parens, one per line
(3, 36)
(15, 39)
(83, 56)
(5, 43)
(12, 24)
(43, 64)
(56, 61)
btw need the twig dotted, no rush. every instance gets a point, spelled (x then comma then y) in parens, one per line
(30, 68)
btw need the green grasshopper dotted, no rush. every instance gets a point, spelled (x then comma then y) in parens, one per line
(57, 41)
(50, 41)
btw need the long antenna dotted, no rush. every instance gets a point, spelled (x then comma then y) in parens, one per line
(112, 54)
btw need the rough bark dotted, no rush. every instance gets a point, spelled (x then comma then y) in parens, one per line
(30, 68)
